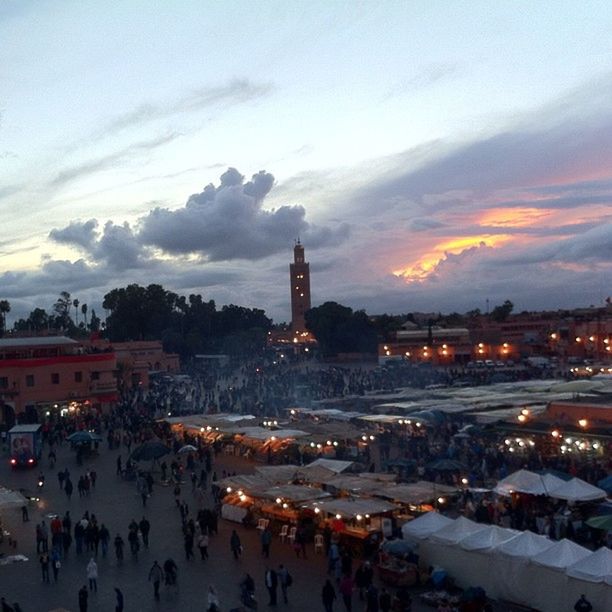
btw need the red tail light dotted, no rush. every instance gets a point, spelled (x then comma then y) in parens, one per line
(30, 460)
(13, 461)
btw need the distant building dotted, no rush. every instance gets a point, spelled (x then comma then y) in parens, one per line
(299, 272)
(138, 359)
(436, 345)
(53, 374)
(570, 336)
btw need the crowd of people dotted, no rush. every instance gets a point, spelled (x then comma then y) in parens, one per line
(266, 390)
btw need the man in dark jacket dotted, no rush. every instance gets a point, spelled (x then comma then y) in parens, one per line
(271, 580)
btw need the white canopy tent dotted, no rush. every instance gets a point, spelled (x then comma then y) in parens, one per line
(561, 555)
(593, 577)
(509, 570)
(546, 580)
(594, 568)
(525, 481)
(489, 538)
(575, 490)
(456, 531)
(442, 548)
(423, 526)
(512, 559)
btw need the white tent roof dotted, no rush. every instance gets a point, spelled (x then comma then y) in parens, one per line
(525, 481)
(577, 490)
(456, 531)
(415, 492)
(11, 499)
(562, 554)
(425, 525)
(351, 507)
(525, 545)
(294, 493)
(263, 433)
(490, 537)
(597, 567)
(278, 473)
(335, 465)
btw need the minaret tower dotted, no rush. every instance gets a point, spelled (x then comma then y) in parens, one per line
(300, 289)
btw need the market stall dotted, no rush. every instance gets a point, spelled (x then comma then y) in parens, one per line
(397, 563)
(356, 521)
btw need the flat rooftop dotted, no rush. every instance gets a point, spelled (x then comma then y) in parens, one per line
(36, 341)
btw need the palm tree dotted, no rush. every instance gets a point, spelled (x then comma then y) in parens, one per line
(5, 307)
(75, 303)
(84, 311)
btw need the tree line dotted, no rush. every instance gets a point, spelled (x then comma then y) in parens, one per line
(189, 325)
(185, 325)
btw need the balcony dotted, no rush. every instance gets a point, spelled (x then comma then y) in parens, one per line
(103, 387)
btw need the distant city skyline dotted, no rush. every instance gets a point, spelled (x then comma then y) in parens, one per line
(430, 155)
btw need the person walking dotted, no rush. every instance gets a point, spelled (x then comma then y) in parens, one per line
(119, 596)
(203, 545)
(144, 527)
(55, 563)
(213, 600)
(235, 544)
(44, 566)
(372, 599)
(328, 595)
(188, 541)
(134, 542)
(92, 575)
(83, 595)
(384, 600)
(346, 590)
(104, 536)
(119, 544)
(266, 541)
(156, 575)
(271, 581)
(285, 580)
(68, 488)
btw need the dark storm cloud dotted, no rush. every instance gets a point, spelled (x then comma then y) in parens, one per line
(119, 248)
(60, 274)
(593, 245)
(229, 222)
(237, 91)
(76, 233)
(117, 245)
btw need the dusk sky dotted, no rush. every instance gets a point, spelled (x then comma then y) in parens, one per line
(429, 154)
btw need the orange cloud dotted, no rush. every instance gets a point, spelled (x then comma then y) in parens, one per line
(512, 217)
(428, 262)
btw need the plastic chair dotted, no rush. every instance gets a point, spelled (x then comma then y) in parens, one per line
(319, 543)
(262, 524)
(284, 532)
(292, 533)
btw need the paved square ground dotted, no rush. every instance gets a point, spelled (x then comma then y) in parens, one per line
(115, 503)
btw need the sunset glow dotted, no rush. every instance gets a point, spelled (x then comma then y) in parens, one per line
(428, 263)
(512, 217)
